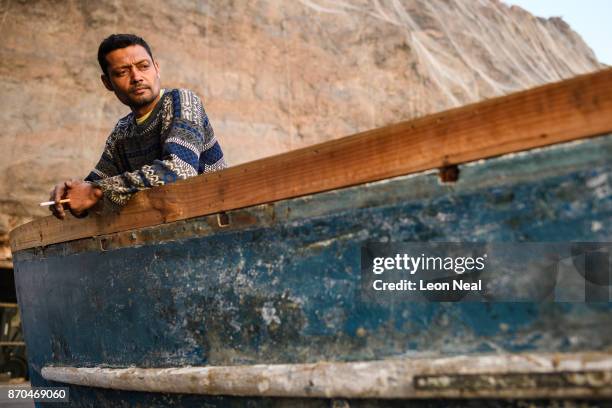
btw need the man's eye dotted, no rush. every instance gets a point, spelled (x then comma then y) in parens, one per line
(120, 73)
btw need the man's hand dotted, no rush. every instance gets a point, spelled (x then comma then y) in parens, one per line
(82, 195)
(58, 193)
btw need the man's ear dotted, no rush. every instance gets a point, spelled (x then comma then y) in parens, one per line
(106, 82)
(156, 67)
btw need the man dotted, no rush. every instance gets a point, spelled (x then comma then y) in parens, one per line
(166, 137)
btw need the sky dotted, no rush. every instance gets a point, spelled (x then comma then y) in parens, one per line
(592, 19)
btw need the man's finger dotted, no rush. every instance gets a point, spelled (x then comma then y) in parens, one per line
(52, 198)
(55, 212)
(53, 193)
(59, 208)
(57, 197)
(58, 215)
(60, 212)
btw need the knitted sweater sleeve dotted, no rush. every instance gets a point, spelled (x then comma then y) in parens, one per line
(189, 147)
(108, 164)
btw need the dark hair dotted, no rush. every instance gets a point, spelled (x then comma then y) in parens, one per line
(116, 41)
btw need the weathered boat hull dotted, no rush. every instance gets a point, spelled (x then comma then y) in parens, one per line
(280, 283)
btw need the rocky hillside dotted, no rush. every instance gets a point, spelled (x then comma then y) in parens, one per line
(274, 74)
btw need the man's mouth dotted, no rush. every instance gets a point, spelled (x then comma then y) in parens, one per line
(139, 90)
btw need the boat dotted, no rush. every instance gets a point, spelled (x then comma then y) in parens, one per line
(244, 287)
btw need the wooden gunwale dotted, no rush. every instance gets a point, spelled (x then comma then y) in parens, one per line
(577, 108)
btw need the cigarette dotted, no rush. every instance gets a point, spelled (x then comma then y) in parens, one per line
(47, 203)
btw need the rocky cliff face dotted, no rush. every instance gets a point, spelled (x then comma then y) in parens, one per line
(274, 75)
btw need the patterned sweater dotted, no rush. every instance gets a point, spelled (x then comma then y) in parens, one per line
(176, 141)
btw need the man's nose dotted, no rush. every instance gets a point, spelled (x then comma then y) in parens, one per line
(135, 75)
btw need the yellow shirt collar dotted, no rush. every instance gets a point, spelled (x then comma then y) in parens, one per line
(140, 120)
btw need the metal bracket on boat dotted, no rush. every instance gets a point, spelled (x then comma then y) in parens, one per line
(449, 174)
(103, 244)
(223, 220)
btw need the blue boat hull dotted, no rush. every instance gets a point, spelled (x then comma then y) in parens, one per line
(281, 283)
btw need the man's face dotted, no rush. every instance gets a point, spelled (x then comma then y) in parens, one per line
(133, 76)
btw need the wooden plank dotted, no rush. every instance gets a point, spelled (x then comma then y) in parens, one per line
(577, 108)
(533, 375)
